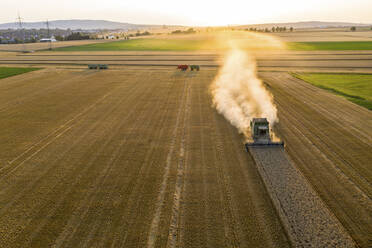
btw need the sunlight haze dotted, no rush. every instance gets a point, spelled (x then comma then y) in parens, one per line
(191, 12)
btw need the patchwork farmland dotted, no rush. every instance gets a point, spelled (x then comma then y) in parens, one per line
(137, 156)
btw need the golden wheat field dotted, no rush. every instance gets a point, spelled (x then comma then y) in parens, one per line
(137, 155)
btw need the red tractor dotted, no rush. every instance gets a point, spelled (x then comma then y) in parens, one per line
(183, 67)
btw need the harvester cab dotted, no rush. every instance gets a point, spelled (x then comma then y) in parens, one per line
(260, 131)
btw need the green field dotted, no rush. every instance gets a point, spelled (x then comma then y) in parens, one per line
(12, 71)
(202, 44)
(141, 45)
(334, 45)
(357, 88)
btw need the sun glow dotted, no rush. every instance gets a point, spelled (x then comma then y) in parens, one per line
(190, 12)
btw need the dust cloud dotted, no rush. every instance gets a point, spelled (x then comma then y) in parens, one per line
(238, 94)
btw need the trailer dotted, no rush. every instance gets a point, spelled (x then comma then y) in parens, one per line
(183, 67)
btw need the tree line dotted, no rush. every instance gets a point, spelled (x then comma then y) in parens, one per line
(272, 30)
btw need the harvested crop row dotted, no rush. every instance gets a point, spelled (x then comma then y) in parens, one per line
(308, 222)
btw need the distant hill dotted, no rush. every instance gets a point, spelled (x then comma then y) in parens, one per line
(309, 24)
(109, 25)
(79, 24)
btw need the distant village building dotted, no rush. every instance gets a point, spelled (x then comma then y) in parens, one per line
(52, 39)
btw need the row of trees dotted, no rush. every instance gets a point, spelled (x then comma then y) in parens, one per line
(145, 33)
(273, 29)
(73, 36)
(188, 31)
(354, 29)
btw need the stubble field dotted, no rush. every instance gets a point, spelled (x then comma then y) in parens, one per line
(130, 158)
(136, 156)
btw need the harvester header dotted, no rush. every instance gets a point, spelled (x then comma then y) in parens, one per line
(261, 137)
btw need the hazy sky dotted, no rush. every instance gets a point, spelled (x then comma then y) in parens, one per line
(189, 12)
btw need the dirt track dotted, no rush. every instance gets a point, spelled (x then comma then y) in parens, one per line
(275, 60)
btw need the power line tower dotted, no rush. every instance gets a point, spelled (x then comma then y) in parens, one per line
(19, 19)
(50, 39)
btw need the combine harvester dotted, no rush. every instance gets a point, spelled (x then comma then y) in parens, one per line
(260, 130)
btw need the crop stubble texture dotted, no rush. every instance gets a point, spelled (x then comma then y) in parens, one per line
(84, 157)
(308, 222)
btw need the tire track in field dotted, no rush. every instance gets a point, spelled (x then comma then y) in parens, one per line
(140, 182)
(196, 202)
(203, 164)
(153, 233)
(174, 228)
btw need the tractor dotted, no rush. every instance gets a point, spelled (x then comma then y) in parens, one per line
(195, 67)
